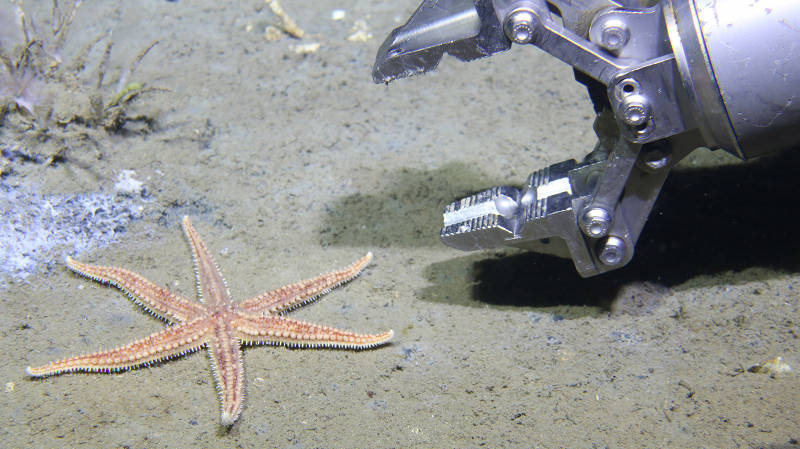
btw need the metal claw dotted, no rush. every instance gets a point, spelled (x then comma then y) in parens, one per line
(462, 28)
(665, 77)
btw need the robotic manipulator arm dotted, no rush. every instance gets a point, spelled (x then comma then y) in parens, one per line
(665, 77)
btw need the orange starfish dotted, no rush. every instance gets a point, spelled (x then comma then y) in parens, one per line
(216, 323)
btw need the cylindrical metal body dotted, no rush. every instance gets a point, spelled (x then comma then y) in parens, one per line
(739, 61)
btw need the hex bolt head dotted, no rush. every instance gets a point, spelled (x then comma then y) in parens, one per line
(595, 222)
(520, 26)
(613, 251)
(615, 34)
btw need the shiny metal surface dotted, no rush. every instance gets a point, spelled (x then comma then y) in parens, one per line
(665, 78)
(754, 52)
(460, 28)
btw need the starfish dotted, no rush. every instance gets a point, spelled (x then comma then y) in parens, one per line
(215, 323)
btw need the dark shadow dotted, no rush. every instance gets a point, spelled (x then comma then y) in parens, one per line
(513, 278)
(707, 222)
(408, 214)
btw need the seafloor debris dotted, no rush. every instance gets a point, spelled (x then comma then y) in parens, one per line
(338, 14)
(359, 32)
(305, 49)
(127, 185)
(272, 34)
(772, 367)
(288, 25)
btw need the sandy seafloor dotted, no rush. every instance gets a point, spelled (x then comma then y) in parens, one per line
(291, 165)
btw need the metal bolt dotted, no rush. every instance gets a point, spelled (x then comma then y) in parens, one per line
(595, 222)
(612, 251)
(615, 34)
(635, 113)
(520, 26)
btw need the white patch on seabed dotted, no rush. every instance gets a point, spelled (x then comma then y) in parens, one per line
(127, 184)
(39, 229)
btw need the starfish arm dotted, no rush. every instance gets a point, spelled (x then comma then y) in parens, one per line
(226, 364)
(210, 284)
(299, 293)
(157, 300)
(169, 343)
(280, 330)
